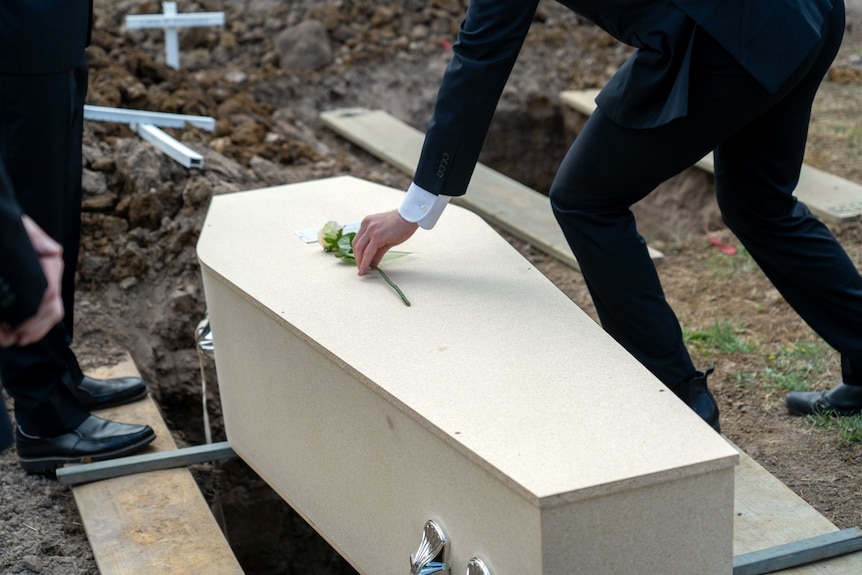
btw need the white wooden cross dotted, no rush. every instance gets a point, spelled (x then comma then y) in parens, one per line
(146, 125)
(170, 21)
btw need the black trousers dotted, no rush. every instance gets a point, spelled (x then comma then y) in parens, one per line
(41, 124)
(759, 140)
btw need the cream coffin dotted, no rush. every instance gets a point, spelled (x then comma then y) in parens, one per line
(493, 405)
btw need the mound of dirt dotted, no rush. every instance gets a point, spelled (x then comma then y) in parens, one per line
(265, 77)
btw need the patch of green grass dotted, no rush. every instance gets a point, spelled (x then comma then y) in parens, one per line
(722, 336)
(794, 365)
(669, 247)
(848, 427)
(852, 135)
(721, 264)
(740, 378)
(783, 379)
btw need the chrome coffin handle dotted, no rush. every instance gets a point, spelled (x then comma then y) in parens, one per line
(477, 567)
(206, 350)
(204, 338)
(432, 556)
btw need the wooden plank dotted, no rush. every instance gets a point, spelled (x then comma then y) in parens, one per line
(768, 514)
(798, 553)
(98, 470)
(154, 522)
(500, 200)
(832, 198)
(829, 196)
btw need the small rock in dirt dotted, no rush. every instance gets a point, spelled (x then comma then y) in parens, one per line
(32, 563)
(304, 47)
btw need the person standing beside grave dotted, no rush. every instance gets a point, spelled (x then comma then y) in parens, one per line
(43, 83)
(731, 76)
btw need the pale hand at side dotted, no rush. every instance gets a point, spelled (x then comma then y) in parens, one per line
(50, 310)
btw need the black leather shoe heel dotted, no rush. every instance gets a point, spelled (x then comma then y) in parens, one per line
(101, 393)
(697, 396)
(842, 399)
(96, 439)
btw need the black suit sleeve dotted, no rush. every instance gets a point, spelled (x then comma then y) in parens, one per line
(22, 282)
(489, 41)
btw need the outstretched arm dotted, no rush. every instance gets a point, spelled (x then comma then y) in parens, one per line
(489, 41)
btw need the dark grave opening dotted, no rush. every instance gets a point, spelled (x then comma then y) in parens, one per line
(527, 143)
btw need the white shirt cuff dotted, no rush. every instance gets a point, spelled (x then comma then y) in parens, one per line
(422, 207)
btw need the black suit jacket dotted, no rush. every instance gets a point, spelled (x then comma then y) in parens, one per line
(43, 36)
(22, 282)
(769, 38)
(37, 37)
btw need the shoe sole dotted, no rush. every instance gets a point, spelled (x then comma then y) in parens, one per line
(93, 405)
(49, 465)
(824, 411)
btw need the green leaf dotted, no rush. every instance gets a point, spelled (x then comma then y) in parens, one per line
(345, 243)
(390, 255)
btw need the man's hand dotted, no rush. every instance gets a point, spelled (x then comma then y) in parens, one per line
(50, 310)
(377, 234)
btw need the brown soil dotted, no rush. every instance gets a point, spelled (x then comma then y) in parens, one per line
(139, 283)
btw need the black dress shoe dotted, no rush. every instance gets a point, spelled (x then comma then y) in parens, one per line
(842, 399)
(697, 396)
(101, 393)
(96, 439)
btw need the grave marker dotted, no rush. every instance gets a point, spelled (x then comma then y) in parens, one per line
(145, 125)
(171, 21)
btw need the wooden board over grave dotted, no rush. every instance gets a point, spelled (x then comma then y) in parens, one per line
(768, 514)
(832, 198)
(154, 522)
(500, 200)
